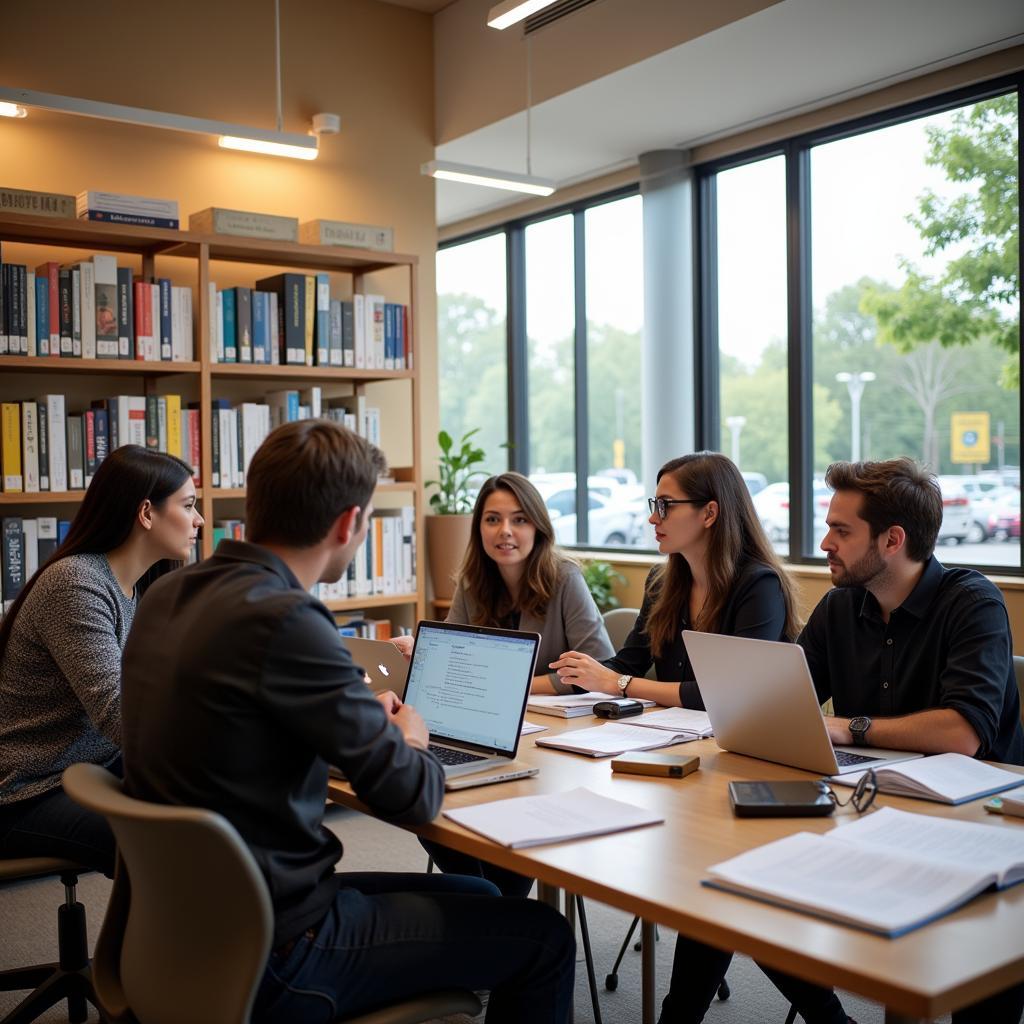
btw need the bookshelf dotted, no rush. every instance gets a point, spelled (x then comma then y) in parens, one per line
(198, 260)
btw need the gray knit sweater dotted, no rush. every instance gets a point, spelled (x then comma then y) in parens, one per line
(60, 676)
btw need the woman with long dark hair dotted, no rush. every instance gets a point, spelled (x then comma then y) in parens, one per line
(513, 577)
(721, 576)
(61, 643)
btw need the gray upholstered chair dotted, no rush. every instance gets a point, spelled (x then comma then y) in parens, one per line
(618, 622)
(189, 926)
(70, 977)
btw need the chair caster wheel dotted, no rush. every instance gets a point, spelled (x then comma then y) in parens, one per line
(724, 991)
(611, 982)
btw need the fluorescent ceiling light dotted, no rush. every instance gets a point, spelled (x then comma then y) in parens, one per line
(471, 175)
(12, 110)
(278, 143)
(269, 148)
(510, 12)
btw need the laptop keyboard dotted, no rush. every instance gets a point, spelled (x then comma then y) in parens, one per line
(844, 758)
(448, 756)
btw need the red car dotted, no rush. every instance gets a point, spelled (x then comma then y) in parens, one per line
(1004, 520)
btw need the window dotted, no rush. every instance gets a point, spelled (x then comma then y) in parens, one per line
(751, 307)
(472, 346)
(915, 312)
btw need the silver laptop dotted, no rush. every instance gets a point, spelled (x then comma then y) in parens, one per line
(381, 660)
(761, 701)
(470, 684)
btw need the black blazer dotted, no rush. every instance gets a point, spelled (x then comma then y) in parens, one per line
(755, 609)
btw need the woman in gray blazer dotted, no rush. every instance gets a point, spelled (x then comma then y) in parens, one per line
(513, 577)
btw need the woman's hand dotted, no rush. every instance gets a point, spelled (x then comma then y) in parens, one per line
(582, 670)
(404, 644)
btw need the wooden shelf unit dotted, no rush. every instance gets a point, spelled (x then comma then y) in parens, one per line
(205, 376)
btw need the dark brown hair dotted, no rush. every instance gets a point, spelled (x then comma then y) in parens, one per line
(736, 539)
(479, 573)
(303, 476)
(126, 478)
(898, 492)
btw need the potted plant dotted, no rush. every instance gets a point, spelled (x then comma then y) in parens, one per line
(601, 578)
(448, 527)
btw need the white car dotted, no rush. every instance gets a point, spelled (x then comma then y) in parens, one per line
(957, 514)
(771, 504)
(611, 523)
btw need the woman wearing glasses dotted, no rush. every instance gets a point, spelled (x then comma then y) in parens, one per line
(721, 577)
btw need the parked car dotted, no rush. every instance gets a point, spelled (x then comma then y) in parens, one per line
(1004, 519)
(756, 482)
(611, 522)
(957, 517)
(772, 507)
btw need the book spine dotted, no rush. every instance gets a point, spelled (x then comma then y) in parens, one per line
(243, 323)
(22, 273)
(13, 558)
(10, 455)
(43, 428)
(174, 446)
(76, 312)
(152, 426)
(323, 320)
(125, 314)
(260, 334)
(101, 418)
(359, 329)
(87, 298)
(57, 432)
(310, 321)
(194, 445)
(107, 308)
(76, 453)
(230, 329)
(136, 409)
(89, 429)
(30, 446)
(112, 217)
(165, 319)
(66, 319)
(5, 289)
(30, 293)
(42, 315)
(161, 423)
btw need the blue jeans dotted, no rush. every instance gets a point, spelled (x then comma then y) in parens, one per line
(53, 825)
(451, 862)
(388, 937)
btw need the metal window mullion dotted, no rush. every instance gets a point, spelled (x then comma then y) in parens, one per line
(709, 416)
(581, 427)
(516, 350)
(801, 410)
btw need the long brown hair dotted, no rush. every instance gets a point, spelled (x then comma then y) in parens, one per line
(479, 573)
(124, 480)
(736, 539)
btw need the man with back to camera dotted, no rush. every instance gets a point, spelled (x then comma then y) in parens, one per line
(238, 693)
(915, 656)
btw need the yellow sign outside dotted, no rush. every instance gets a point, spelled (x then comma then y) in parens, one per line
(970, 438)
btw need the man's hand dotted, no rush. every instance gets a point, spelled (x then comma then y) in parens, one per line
(411, 723)
(404, 644)
(839, 731)
(390, 701)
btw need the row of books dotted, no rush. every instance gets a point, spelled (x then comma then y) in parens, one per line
(238, 430)
(93, 309)
(25, 544)
(359, 624)
(291, 319)
(43, 447)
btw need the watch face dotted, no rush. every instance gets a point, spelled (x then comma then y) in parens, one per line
(860, 725)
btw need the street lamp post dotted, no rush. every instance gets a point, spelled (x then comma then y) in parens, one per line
(735, 425)
(855, 385)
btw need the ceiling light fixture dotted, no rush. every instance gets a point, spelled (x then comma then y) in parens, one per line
(489, 177)
(230, 136)
(511, 12)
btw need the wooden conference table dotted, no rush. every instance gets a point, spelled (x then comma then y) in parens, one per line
(656, 872)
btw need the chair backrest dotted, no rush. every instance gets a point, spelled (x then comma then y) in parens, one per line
(618, 622)
(188, 930)
(1018, 671)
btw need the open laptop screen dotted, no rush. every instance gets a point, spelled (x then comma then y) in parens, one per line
(470, 683)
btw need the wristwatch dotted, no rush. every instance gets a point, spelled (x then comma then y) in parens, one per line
(623, 682)
(859, 730)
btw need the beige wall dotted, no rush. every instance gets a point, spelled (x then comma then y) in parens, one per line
(812, 583)
(216, 60)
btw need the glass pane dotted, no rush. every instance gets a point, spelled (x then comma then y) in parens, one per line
(752, 335)
(471, 342)
(550, 298)
(916, 311)
(615, 316)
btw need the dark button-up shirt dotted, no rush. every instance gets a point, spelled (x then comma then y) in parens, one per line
(755, 609)
(237, 694)
(947, 646)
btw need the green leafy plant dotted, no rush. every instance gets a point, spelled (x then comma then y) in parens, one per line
(601, 578)
(454, 495)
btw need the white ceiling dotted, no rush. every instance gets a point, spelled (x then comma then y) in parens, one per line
(791, 57)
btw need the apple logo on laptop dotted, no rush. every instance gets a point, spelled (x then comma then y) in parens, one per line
(384, 670)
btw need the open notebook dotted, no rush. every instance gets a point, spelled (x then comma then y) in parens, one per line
(889, 872)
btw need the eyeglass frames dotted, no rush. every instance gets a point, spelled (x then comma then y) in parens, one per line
(661, 505)
(863, 795)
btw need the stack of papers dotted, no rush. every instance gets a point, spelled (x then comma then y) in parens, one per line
(945, 778)
(533, 820)
(682, 721)
(572, 705)
(889, 872)
(613, 738)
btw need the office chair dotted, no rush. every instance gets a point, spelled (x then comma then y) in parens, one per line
(188, 930)
(70, 977)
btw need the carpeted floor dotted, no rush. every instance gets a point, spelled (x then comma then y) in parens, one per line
(28, 935)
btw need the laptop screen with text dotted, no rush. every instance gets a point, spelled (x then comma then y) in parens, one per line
(470, 684)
